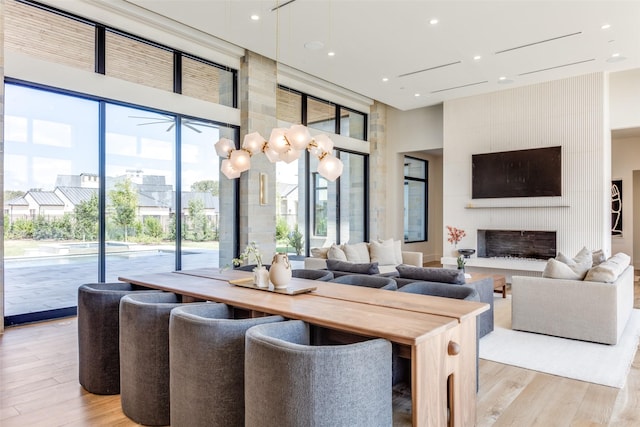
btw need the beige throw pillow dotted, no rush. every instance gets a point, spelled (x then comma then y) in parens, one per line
(559, 270)
(609, 270)
(320, 252)
(357, 252)
(336, 252)
(383, 252)
(580, 264)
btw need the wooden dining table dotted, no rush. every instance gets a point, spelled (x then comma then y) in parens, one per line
(439, 334)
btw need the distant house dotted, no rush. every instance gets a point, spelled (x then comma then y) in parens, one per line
(155, 198)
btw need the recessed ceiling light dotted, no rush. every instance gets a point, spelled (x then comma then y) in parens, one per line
(416, 95)
(385, 79)
(477, 58)
(616, 57)
(503, 80)
(255, 17)
(331, 53)
(314, 45)
(433, 21)
(605, 27)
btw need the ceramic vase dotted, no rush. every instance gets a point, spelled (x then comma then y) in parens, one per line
(261, 277)
(280, 271)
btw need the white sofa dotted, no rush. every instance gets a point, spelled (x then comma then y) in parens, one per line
(387, 254)
(570, 308)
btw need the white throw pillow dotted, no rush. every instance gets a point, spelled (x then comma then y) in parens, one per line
(383, 253)
(598, 257)
(358, 252)
(336, 252)
(559, 270)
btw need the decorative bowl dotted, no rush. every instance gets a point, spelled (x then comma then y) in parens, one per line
(466, 252)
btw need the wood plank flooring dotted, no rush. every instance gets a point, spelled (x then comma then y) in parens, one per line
(39, 387)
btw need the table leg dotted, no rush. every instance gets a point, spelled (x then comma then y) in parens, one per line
(444, 378)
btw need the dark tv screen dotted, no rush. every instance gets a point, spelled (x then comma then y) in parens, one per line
(523, 173)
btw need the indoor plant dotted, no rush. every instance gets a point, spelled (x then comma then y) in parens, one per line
(260, 273)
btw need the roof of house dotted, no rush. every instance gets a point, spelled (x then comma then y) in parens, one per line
(45, 198)
(77, 195)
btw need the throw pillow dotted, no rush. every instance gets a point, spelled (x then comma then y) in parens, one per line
(442, 275)
(580, 264)
(397, 249)
(320, 252)
(336, 252)
(382, 253)
(609, 270)
(357, 252)
(353, 267)
(559, 270)
(598, 257)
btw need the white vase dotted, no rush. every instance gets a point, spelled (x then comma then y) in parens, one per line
(261, 277)
(280, 271)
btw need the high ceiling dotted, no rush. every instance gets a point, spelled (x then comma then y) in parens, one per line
(525, 42)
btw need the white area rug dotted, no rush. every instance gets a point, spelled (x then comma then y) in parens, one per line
(595, 363)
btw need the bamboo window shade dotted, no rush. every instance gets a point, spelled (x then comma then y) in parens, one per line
(138, 62)
(48, 36)
(206, 82)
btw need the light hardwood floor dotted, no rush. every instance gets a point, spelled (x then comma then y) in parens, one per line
(39, 387)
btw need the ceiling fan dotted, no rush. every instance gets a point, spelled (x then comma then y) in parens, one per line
(171, 120)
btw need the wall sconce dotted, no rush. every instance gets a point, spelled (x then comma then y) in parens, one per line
(264, 183)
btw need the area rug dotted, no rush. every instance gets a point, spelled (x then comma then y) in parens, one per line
(595, 363)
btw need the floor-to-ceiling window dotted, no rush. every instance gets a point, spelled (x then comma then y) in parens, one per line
(415, 199)
(312, 211)
(53, 210)
(51, 198)
(94, 187)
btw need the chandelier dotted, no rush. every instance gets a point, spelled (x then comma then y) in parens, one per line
(285, 144)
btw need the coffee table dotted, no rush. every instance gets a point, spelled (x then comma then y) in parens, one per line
(499, 281)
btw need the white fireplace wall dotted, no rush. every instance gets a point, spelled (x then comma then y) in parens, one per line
(572, 113)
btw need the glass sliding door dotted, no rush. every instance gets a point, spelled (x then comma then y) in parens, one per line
(140, 209)
(200, 202)
(50, 199)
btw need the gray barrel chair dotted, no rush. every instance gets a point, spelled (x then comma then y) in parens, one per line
(290, 383)
(321, 275)
(366, 280)
(206, 353)
(144, 356)
(98, 335)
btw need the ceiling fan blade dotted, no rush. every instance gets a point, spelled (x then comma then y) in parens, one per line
(192, 127)
(171, 127)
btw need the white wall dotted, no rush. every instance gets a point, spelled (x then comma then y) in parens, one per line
(572, 113)
(417, 133)
(625, 99)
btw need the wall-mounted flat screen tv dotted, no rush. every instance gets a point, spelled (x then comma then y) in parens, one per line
(522, 173)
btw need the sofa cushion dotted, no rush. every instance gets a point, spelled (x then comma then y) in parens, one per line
(353, 267)
(443, 275)
(320, 252)
(609, 270)
(357, 252)
(336, 252)
(383, 252)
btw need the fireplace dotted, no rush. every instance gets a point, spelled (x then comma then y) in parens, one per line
(516, 244)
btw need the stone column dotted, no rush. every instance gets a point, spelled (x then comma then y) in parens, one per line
(377, 171)
(257, 96)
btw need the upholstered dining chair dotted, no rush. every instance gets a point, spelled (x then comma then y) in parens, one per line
(380, 282)
(290, 383)
(98, 335)
(206, 354)
(144, 356)
(322, 275)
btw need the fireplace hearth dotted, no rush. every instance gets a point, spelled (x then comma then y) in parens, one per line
(516, 244)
